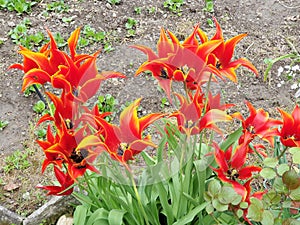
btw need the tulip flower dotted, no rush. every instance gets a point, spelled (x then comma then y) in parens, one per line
(65, 181)
(231, 166)
(290, 130)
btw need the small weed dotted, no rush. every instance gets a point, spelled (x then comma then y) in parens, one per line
(28, 91)
(130, 26)
(41, 133)
(20, 35)
(151, 10)
(60, 41)
(39, 107)
(1, 182)
(107, 103)
(3, 124)
(164, 103)
(16, 161)
(138, 10)
(174, 5)
(90, 36)
(209, 6)
(1, 42)
(20, 6)
(114, 2)
(57, 7)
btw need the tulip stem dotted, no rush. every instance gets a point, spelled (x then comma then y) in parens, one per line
(39, 93)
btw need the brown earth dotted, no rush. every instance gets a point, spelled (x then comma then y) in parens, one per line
(269, 25)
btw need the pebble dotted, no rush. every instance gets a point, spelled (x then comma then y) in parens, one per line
(108, 6)
(11, 24)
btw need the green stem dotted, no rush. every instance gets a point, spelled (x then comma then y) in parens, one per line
(282, 153)
(139, 199)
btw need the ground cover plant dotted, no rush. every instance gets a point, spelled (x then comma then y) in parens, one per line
(186, 177)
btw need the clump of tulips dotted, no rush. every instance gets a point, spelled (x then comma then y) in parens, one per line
(186, 177)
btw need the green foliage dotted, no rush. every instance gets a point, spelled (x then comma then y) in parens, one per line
(138, 10)
(174, 5)
(209, 6)
(130, 26)
(39, 107)
(20, 35)
(164, 102)
(18, 160)
(20, 6)
(57, 6)
(3, 124)
(90, 36)
(107, 103)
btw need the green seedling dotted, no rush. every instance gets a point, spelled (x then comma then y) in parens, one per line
(174, 5)
(39, 107)
(152, 10)
(164, 103)
(107, 103)
(138, 10)
(16, 161)
(3, 124)
(57, 6)
(20, 36)
(20, 6)
(209, 6)
(130, 26)
(41, 133)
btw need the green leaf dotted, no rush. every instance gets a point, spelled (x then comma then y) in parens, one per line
(99, 214)
(267, 218)
(115, 217)
(233, 137)
(219, 206)
(80, 214)
(214, 188)
(244, 205)
(190, 216)
(270, 162)
(282, 168)
(296, 157)
(237, 200)
(227, 195)
(209, 208)
(295, 194)
(255, 210)
(279, 185)
(268, 173)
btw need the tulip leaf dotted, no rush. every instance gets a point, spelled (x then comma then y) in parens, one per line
(270, 162)
(268, 173)
(80, 214)
(115, 217)
(190, 215)
(99, 214)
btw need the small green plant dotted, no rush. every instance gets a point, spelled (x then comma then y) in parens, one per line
(107, 103)
(18, 160)
(39, 107)
(3, 124)
(20, 6)
(164, 102)
(130, 26)
(21, 36)
(114, 2)
(41, 133)
(174, 5)
(151, 10)
(90, 36)
(209, 6)
(57, 6)
(138, 10)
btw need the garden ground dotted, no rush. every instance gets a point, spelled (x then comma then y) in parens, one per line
(273, 29)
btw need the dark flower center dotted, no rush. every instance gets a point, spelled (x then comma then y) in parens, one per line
(232, 174)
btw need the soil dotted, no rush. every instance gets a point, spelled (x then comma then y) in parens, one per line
(269, 25)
